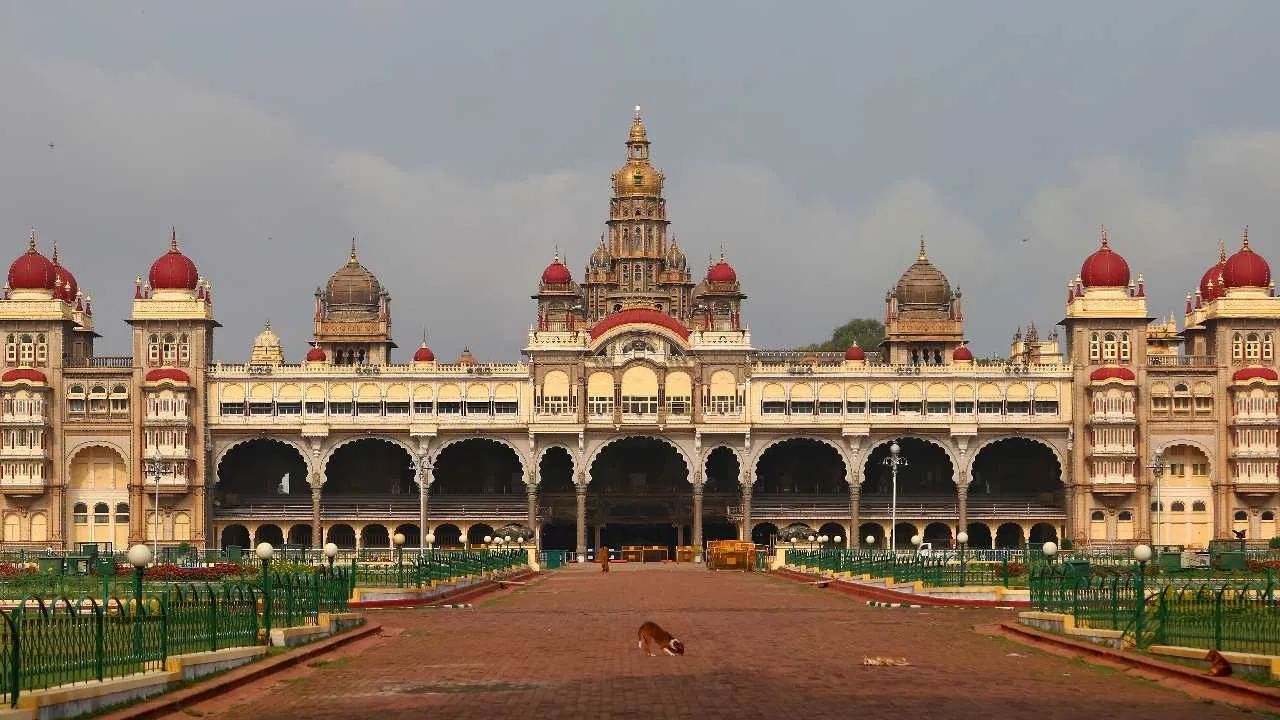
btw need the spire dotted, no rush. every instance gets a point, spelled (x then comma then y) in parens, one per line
(923, 257)
(638, 133)
(1222, 251)
(173, 238)
(55, 252)
(352, 260)
(1246, 238)
(1104, 237)
(31, 244)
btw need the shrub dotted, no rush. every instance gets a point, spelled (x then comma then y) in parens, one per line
(1274, 543)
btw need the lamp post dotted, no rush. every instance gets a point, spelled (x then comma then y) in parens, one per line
(139, 556)
(894, 461)
(915, 543)
(398, 541)
(1142, 554)
(962, 538)
(871, 541)
(330, 552)
(156, 467)
(1156, 466)
(265, 552)
(431, 540)
(1049, 549)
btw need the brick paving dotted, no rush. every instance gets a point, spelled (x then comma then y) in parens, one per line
(758, 647)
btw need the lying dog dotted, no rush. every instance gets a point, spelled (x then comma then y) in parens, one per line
(1218, 665)
(650, 634)
(885, 661)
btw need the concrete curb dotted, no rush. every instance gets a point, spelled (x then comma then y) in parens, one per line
(1189, 680)
(884, 595)
(176, 700)
(455, 596)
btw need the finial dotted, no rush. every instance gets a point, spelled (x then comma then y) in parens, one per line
(352, 260)
(267, 324)
(55, 252)
(31, 244)
(424, 336)
(1104, 237)
(721, 252)
(557, 257)
(1222, 251)
(1246, 237)
(173, 238)
(637, 112)
(923, 257)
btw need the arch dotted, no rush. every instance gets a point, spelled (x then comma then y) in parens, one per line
(342, 535)
(801, 392)
(639, 380)
(520, 458)
(268, 533)
(237, 535)
(1042, 533)
(1009, 536)
(231, 394)
(39, 527)
(181, 526)
(375, 535)
(300, 534)
(833, 530)
(261, 393)
(922, 438)
(793, 465)
(556, 465)
(221, 454)
(1057, 454)
(256, 465)
(902, 534)
(1162, 448)
(477, 533)
(722, 470)
(937, 392)
(980, 535)
(938, 533)
(340, 393)
(873, 530)
(478, 465)
(412, 536)
(930, 471)
(555, 384)
(85, 464)
(368, 392)
(344, 473)
(314, 394)
(357, 438)
(447, 534)
(764, 533)
(591, 459)
(723, 384)
(759, 453)
(600, 384)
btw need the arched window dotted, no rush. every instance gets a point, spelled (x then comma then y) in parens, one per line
(1125, 516)
(11, 349)
(119, 399)
(42, 349)
(1268, 515)
(184, 349)
(1156, 507)
(169, 348)
(1266, 347)
(1252, 347)
(1097, 516)
(122, 513)
(1178, 506)
(101, 512)
(153, 349)
(1095, 347)
(80, 513)
(75, 399)
(1198, 506)
(1240, 516)
(1124, 346)
(27, 350)
(1110, 346)
(1237, 347)
(98, 399)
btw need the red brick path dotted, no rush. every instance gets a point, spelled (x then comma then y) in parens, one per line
(758, 647)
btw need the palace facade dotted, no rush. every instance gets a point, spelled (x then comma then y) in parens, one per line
(641, 412)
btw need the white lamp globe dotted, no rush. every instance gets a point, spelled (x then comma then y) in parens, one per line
(1049, 549)
(813, 538)
(431, 537)
(139, 556)
(871, 539)
(962, 537)
(506, 538)
(1142, 553)
(837, 538)
(915, 539)
(398, 539)
(895, 448)
(488, 539)
(265, 551)
(330, 550)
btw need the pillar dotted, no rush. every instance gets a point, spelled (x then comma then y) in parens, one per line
(424, 500)
(1142, 531)
(1071, 528)
(746, 512)
(531, 493)
(1222, 512)
(855, 500)
(317, 537)
(599, 534)
(697, 522)
(962, 506)
(581, 492)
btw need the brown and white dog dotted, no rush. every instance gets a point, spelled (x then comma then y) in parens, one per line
(1218, 665)
(603, 556)
(651, 634)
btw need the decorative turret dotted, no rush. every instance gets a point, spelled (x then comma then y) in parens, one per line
(923, 319)
(353, 316)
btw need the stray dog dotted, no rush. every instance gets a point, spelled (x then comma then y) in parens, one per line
(650, 633)
(604, 559)
(885, 661)
(1218, 665)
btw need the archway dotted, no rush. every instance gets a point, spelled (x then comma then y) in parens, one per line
(237, 535)
(1042, 533)
(1009, 536)
(902, 534)
(833, 530)
(801, 467)
(300, 535)
(255, 472)
(720, 490)
(1187, 492)
(938, 534)
(342, 535)
(410, 533)
(371, 467)
(447, 535)
(764, 533)
(478, 466)
(979, 536)
(478, 532)
(269, 533)
(926, 478)
(556, 496)
(375, 535)
(871, 530)
(638, 495)
(98, 477)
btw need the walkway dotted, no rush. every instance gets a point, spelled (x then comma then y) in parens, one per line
(758, 647)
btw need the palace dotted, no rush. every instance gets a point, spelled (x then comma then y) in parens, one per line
(640, 413)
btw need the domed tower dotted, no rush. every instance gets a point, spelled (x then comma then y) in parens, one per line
(635, 266)
(717, 301)
(266, 348)
(353, 316)
(559, 299)
(923, 321)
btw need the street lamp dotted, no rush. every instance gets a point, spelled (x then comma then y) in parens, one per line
(1049, 549)
(915, 543)
(1157, 466)
(488, 539)
(431, 540)
(398, 541)
(156, 466)
(893, 462)
(1142, 554)
(265, 552)
(330, 552)
(139, 556)
(962, 538)
(871, 541)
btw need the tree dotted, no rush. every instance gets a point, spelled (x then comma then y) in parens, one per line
(867, 332)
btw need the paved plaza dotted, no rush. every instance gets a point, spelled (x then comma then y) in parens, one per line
(758, 647)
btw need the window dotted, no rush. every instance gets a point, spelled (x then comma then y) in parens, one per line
(830, 407)
(990, 407)
(964, 407)
(42, 349)
(101, 513)
(184, 349)
(679, 405)
(1204, 404)
(1240, 515)
(1124, 346)
(1198, 506)
(339, 408)
(314, 408)
(881, 408)
(122, 513)
(773, 407)
(1268, 515)
(1095, 347)
(639, 405)
(1160, 404)
(505, 407)
(1237, 347)
(455, 408)
(1018, 407)
(80, 513)
(1097, 516)
(1266, 347)
(119, 399)
(288, 408)
(723, 404)
(369, 408)
(1156, 507)
(1110, 346)
(1178, 506)
(261, 408)
(856, 407)
(397, 408)
(1200, 469)
(480, 408)
(909, 407)
(802, 407)
(1252, 347)
(637, 179)
(422, 408)
(1046, 407)
(11, 349)
(1125, 516)
(169, 348)
(153, 349)
(1182, 404)
(98, 399)
(231, 408)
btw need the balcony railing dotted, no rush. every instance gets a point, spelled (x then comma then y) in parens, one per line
(1180, 361)
(933, 510)
(117, 362)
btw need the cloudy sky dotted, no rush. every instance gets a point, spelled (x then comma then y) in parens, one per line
(462, 142)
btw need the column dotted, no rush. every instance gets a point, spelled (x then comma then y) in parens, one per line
(1069, 500)
(599, 534)
(581, 492)
(317, 538)
(424, 500)
(697, 522)
(962, 506)
(1222, 512)
(746, 513)
(531, 493)
(1142, 533)
(855, 500)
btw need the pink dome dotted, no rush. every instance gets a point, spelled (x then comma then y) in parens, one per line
(424, 354)
(31, 271)
(722, 272)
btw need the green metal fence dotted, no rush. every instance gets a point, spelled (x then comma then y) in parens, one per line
(934, 572)
(420, 569)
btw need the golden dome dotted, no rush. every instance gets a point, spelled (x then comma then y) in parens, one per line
(353, 291)
(637, 176)
(923, 284)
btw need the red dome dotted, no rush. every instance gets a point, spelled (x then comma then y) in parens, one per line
(173, 270)
(31, 271)
(1255, 373)
(424, 354)
(1105, 268)
(557, 273)
(69, 284)
(1211, 283)
(641, 316)
(315, 354)
(1246, 268)
(173, 374)
(23, 374)
(722, 272)
(1112, 373)
(962, 353)
(854, 353)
